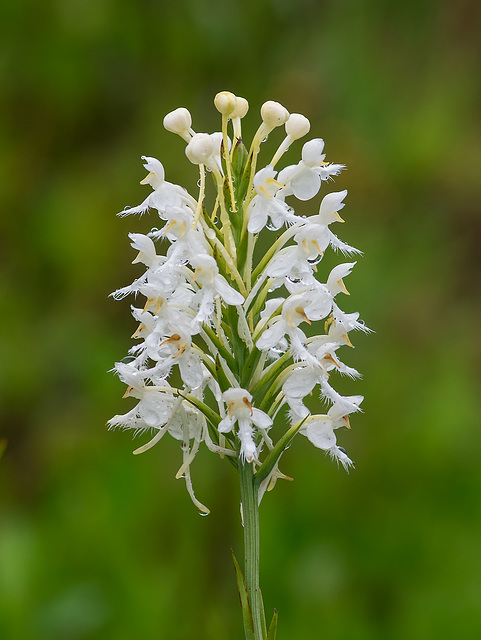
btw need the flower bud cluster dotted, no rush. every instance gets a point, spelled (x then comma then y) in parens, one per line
(221, 346)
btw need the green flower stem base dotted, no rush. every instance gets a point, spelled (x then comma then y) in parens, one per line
(250, 514)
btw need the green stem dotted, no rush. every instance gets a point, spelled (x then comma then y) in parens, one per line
(250, 512)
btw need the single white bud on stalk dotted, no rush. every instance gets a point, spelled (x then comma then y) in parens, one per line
(200, 148)
(242, 107)
(297, 126)
(273, 114)
(179, 121)
(225, 103)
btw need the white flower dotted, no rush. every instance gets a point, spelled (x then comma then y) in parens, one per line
(146, 248)
(302, 179)
(335, 282)
(163, 273)
(299, 261)
(206, 273)
(178, 221)
(164, 194)
(179, 348)
(240, 410)
(331, 204)
(297, 409)
(164, 312)
(180, 121)
(186, 241)
(320, 431)
(349, 321)
(302, 307)
(155, 407)
(302, 381)
(265, 205)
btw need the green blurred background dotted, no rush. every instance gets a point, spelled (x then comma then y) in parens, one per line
(96, 543)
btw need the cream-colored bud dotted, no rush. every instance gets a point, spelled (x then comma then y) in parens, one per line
(200, 148)
(242, 107)
(297, 126)
(178, 121)
(225, 103)
(274, 114)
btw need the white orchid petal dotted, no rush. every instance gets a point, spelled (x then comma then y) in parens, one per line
(271, 336)
(300, 382)
(321, 433)
(228, 294)
(191, 370)
(305, 184)
(261, 419)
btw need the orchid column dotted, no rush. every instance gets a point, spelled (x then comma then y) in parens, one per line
(230, 328)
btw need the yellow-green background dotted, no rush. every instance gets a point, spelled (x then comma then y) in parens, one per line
(96, 543)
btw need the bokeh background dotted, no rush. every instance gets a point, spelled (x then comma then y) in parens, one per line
(96, 543)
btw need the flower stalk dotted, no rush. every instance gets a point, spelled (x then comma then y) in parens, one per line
(250, 517)
(232, 331)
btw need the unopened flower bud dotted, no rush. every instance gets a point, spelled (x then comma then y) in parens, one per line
(225, 103)
(242, 107)
(274, 114)
(179, 121)
(297, 126)
(200, 148)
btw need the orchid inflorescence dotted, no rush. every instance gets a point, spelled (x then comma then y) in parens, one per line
(224, 321)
